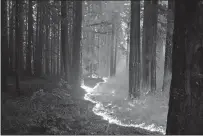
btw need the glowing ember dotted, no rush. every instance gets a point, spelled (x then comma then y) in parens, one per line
(108, 115)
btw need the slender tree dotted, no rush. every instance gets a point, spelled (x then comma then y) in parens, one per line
(63, 36)
(128, 43)
(30, 40)
(112, 50)
(185, 114)
(116, 31)
(40, 34)
(19, 41)
(4, 45)
(11, 36)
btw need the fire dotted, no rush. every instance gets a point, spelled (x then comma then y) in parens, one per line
(100, 110)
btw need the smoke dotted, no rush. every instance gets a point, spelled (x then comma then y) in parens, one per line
(110, 98)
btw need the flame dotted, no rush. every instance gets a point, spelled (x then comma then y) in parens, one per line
(107, 115)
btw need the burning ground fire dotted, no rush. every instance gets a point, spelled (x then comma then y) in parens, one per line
(100, 110)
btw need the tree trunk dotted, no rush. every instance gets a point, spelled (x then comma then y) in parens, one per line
(185, 114)
(39, 45)
(112, 52)
(76, 43)
(109, 54)
(149, 45)
(47, 51)
(37, 40)
(59, 51)
(128, 44)
(64, 33)
(145, 62)
(116, 47)
(41, 39)
(154, 41)
(11, 38)
(50, 53)
(4, 45)
(30, 40)
(134, 62)
(168, 47)
(18, 40)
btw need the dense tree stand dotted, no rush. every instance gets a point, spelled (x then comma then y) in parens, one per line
(69, 67)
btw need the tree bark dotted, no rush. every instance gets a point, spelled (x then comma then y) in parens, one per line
(64, 45)
(39, 45)
(47, 51)
(149, 45)
(134, 58)
(30, 40)
(77, 38)
(4, 45)
(185, 114)
(115, 40)
(154, 42)
(128, 44)
(112, 51)
(168, 47)
(76, 43)
(11, 38)
(18, 40)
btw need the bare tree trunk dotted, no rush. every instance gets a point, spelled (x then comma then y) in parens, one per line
(51, 53)
(47, 51)
(145, 62)
(109, 54)
(41, 41)
(19, 39)
(37, 39)
(115, 53)
(59, 51)
(154, 41)
(168, 47)
(185, 114)
(63, 37)
(11, 38)
(4, 45)
(149, 45)
(39, 45)
(30, 40)
(112, 51)
(77, 38)
(128, 44)
(134, 62)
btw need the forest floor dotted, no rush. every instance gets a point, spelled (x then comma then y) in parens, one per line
(52, 107)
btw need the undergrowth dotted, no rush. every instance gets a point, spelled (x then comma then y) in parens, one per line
(45, 112)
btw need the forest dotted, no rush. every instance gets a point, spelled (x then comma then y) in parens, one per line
(101, 67)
